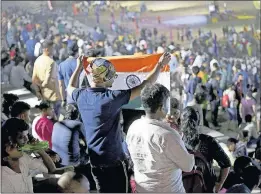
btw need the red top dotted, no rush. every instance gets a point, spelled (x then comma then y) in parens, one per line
(44, 129)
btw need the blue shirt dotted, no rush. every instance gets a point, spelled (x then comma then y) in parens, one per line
(65, 141)
(30, 44)
(65, 72)
(100, 111)
(25, 35)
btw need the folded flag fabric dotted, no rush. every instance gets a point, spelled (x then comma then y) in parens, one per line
(133, 69)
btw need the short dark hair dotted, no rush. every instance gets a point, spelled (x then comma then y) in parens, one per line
(43, 105)
(19, 107)
(241, 163)
(215, 65)
(248, 118)
(153, 96)
(9, 100)
(200, 97)
(47, 44)
(195, 70)
(232, 140)
(251, 176)
(10, 130)
(72, 112)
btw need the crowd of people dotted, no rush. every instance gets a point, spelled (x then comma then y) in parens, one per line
(164, 150)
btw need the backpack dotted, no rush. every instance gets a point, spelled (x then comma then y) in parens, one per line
(225, 101)
(194, 181)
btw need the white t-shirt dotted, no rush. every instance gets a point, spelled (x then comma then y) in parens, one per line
(198, 61)
(159, 156)
(36, 119)
(13, 182)
(212, 64)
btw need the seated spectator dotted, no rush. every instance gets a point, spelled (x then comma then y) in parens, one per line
(207, 146)
(251, 180)
(236, 147)
(21, 110)
(71, 182)
(16, 166)
(235, 176)
(8, 101)
(249, 131)
(67, 136)
(155, 148)
(43, 126)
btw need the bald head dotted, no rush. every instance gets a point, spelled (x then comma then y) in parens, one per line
(71, 182)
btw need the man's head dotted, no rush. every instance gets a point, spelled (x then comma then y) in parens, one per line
(240, 77)
(241, 163)
(248, 118)
(71, 182)
(215, 65)
(195, 70)
(102, 73)
(47, 47)
(154, 99)
(8, 101)
(190, 120)
(16, 130)
(251, 177)
(73, 49)
(21, 110)
(231, 144)
(72, 112)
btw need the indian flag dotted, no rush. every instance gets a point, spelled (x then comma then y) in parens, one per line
(133, 69)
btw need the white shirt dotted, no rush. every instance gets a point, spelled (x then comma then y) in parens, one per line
(36, 119)
(212, 64)
(159, 156)
(198, 61)
(37, 48)
(18, 75)
(252, 130)
(13, 182)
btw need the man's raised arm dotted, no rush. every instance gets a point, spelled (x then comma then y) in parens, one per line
(74, 79)
(153, 75)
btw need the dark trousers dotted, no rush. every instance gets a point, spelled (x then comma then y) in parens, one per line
(214, 111)
(205, 122)
(86, 171)
(114, 179)
(239, 119)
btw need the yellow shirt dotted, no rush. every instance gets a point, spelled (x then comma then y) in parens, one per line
(45, 74)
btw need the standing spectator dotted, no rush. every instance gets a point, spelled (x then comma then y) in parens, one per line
(236, 147)
(30, 46)
(231, 109)
(155, 148)
(65, 72)
(45, 77)
(207, 146)
(192, 84)
(63, 53)
(102, 129)
(214, 96)
(247, 106)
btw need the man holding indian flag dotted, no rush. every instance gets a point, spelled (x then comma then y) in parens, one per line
(100, 111)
